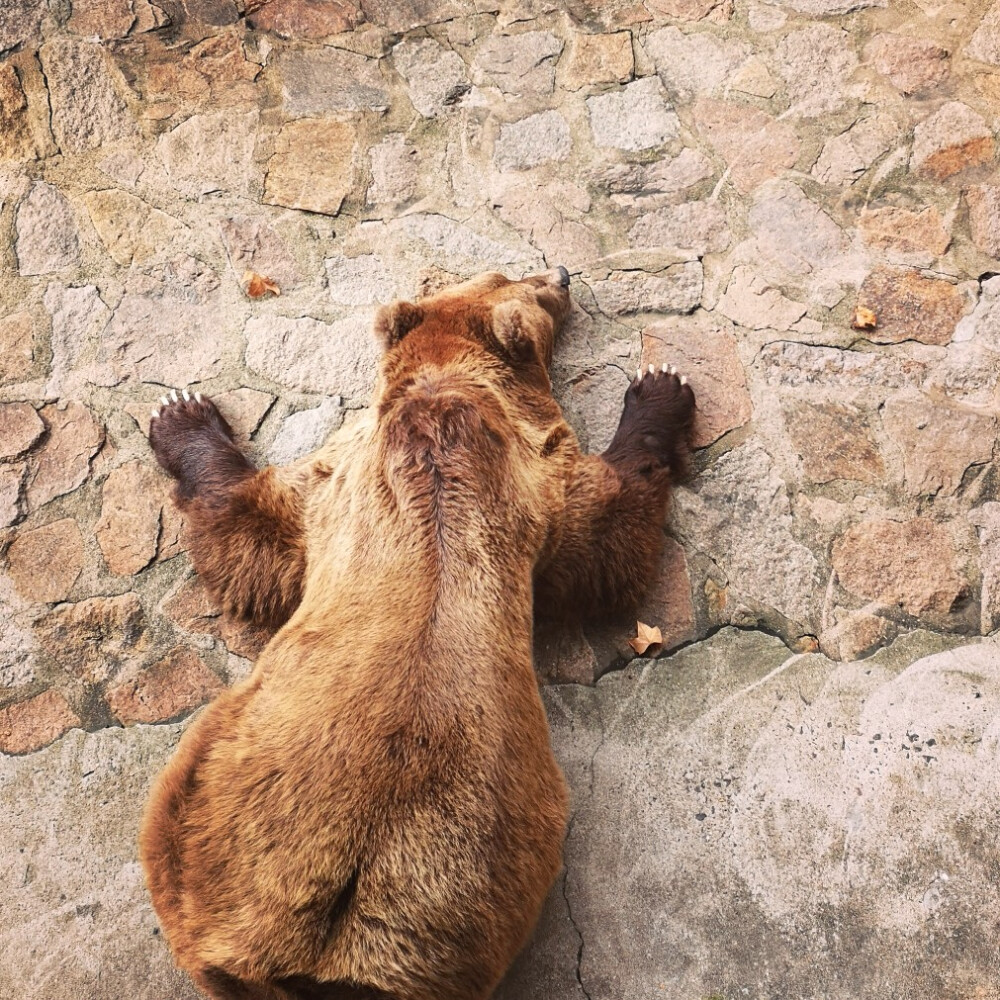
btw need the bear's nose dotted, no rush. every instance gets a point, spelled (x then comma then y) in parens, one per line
(563, 276)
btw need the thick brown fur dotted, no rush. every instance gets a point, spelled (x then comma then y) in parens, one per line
(375, 813)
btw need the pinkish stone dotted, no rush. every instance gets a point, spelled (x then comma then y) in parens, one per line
(754, 145)
(129, 526)
(909, 563)
(63, 463)
(704, 351)
(169, 688)
(30, 725)
(45, 562)
(909, 306)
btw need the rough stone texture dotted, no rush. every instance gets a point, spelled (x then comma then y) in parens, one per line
(845, 157)
(30, 725)
(92, 639)
(985, 43)
(87, 109)
(987, 522)
(20, 428)
(637, 117)
(19, 21)
(597, 59)
(129, 527)
(102, 19)
(910, 306)
(909, 563)
(435, 76)
(192, 608)
(520, 64)
(816, 63)
(16, 142)
(17, 349)
(311, 165)
(533, 140)
(749, 536)
(912, 64)
(726, 184)
(706, 353)
(169, 688)
(45, 562)
(749, 301)
(639, 186)
(78, 317)
(318, 81)
(834, 442)
(63, 462)
(677, 289)
(394, 171)
(793, 787)
(755, 146)
(162, 341)
(303, 18)
(11, 482)
(952, 139)
(129, 229)
(984, 217)
(902, 232)
(253, 245)
(700, 226)
(209, 153)
(334, 358)
(938, 442)
(359, 281)
(690, 64)
(305, 431)
(46, 232)
(792, 231)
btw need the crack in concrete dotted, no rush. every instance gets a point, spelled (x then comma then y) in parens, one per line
(578, 969)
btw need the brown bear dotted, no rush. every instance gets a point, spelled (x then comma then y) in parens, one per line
(375, 813)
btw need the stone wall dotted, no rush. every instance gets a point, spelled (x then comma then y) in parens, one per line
(797, 203)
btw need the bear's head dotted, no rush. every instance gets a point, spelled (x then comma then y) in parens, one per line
(464, 397)
(515, 321)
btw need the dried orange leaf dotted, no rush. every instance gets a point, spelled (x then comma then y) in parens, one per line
(864, 319)
(648, 637)
(257, 286)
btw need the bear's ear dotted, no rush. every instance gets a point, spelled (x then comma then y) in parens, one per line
(393, 323)
(513, 329)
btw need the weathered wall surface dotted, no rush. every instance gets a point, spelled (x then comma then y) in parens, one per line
(742, 189)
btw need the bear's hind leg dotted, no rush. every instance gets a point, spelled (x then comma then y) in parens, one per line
(612, 530)
(244, 525)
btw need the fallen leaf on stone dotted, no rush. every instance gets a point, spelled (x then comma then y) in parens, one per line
(257, 286)
(649, 639)
(864, 319)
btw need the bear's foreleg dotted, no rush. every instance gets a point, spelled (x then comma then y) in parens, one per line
(244, 526)
(612, 530)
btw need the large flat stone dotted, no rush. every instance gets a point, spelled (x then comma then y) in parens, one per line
(738, 513)
(332, 358)
(747, 822)
(69, 817)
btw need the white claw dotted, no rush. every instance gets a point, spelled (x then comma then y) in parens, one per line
(673, 369)
(664, 369)
(173, 395)
(652, 369)
(638, 374)
(156, 413)
(684, 380)
(185, 395)
(197, 397)
(164, 400)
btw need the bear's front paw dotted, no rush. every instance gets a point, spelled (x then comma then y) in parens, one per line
(655, 426)
(185, 432)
